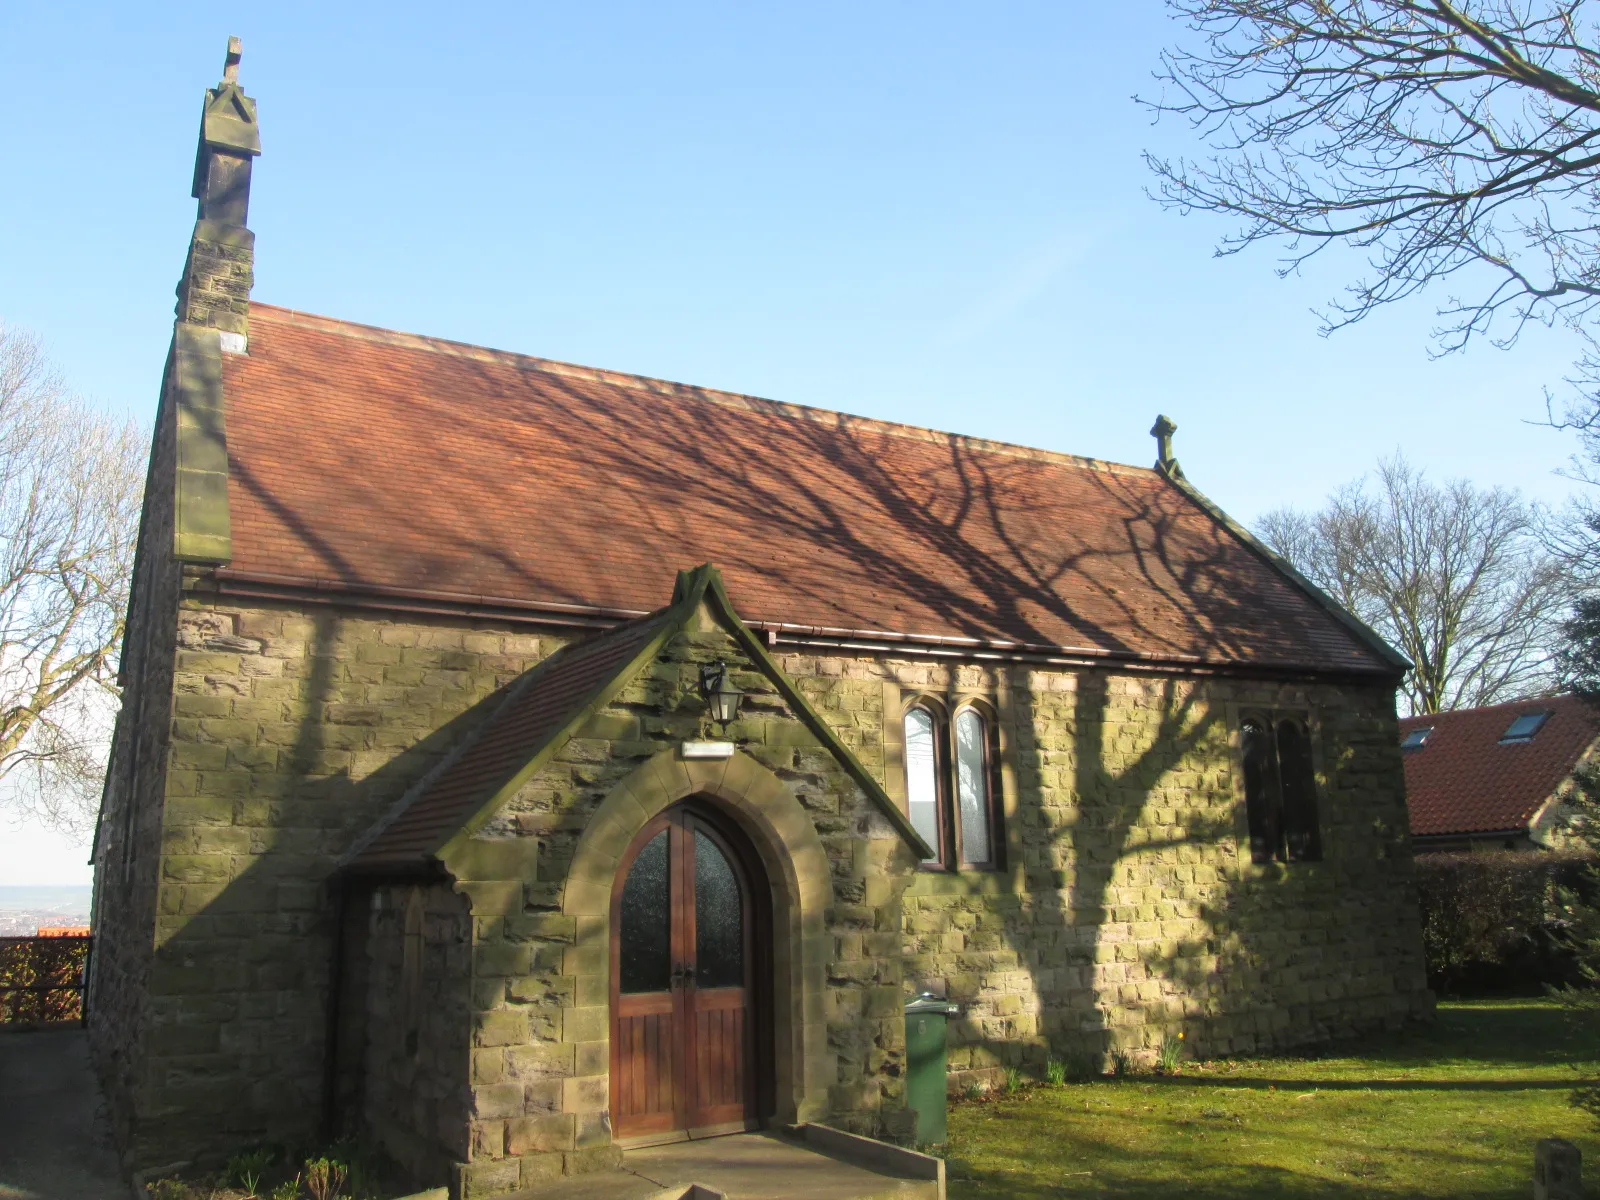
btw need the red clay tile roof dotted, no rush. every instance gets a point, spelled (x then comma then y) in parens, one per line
(1465, 780)
(365, 457)
(550, 695)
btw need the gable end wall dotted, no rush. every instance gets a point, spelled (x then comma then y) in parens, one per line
(127, 848)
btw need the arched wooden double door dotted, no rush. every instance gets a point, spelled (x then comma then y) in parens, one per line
(690, 944)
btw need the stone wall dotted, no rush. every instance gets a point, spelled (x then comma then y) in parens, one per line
(1125, 912)
(541, 1050)
(418, 1028)
(217, 276)
(127, 845)
(1128, 910)
(289, 733)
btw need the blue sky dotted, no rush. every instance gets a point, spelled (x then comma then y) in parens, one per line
(931, 213)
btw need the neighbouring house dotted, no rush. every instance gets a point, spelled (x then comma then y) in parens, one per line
(460, 803)
(1493, 778)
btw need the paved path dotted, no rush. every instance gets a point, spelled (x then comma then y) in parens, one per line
(54, 1141)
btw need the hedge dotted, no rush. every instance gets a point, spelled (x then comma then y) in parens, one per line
(1491, 922)
(41, 979)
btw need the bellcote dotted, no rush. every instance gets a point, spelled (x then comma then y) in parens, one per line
(214, 292)
(229, 138)
(213, 317)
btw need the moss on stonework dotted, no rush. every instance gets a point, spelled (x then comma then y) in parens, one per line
(1126, 910)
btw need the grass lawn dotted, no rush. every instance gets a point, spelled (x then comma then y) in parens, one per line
(1451, 1110)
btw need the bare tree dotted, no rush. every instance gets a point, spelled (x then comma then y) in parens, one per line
(70, 488)
(1453, 576)
(1446, 139)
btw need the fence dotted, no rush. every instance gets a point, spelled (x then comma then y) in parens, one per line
(41, 979)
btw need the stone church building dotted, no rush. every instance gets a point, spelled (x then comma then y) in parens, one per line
(522, 760)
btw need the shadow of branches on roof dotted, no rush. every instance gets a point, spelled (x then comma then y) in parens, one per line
(498, 476)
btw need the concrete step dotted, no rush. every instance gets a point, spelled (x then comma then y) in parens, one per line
(813, 1164)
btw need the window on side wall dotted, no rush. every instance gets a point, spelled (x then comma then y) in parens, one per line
(411, 973)
(950, 788)
(1280, 787)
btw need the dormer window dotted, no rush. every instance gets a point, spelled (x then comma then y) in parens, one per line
(1524, 727)
(1416, 739)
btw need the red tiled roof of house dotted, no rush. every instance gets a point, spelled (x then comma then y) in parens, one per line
(1464, 779)
(360, 456)
(528, 717)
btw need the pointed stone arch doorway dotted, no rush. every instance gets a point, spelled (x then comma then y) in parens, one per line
(691, 979)
(798, 883)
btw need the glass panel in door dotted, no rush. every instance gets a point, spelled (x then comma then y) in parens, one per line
(718, 917)
(645, 954)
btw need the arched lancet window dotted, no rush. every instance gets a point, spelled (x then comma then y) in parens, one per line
(1280, 789)
(950, 785)
(411, 973)
(922, 778)
(1302, 839)
(972, 788)
(1263, 802)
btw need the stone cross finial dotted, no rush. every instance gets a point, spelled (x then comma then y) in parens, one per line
(1162, 431)
(230, 64)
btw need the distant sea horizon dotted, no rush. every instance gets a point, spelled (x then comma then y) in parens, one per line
(66, 897)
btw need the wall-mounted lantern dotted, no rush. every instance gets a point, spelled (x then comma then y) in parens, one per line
(721, 696)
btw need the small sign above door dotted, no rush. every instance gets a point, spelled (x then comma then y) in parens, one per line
(706, 750)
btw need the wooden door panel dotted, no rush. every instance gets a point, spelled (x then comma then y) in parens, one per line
(710, 998)
(722, 1054)
(646, 1020)
(644, 1098)
(683, 1060)
(720, 1077)
(644, 1004)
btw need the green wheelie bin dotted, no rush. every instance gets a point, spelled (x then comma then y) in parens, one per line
(927, 1017)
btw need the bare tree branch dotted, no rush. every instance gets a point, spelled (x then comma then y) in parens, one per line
(70, 485)
(1455, 577)
(1448, 140)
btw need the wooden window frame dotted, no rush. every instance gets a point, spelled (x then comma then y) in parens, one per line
(1266, 794)
(951, 855)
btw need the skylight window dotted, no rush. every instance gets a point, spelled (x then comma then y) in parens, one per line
(1524, 727)
(1416, 739)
